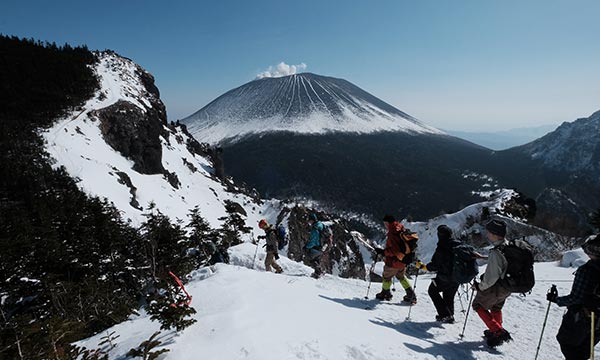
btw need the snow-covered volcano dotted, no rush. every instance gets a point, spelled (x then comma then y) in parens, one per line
(303, 103)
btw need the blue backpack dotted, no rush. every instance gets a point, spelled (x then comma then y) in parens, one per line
(281, 237)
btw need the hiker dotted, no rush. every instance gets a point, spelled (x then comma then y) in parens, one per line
(219, 255)
(397, 255)
(491, 296)
(271, 237)
(313, 250)
(575, 331)
(442, 262)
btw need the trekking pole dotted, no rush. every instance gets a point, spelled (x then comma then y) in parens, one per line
(255, 251)
(461, 302)
(370, 278)
(462, 334)
(592, 335)
(415, 292)
(552, 290)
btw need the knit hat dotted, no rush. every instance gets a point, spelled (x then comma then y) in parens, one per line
(496, 227)
(312, 217)
(389, 218)
(592, 246)
(263, 223)
(444, 232)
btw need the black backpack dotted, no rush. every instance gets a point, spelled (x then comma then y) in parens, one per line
(464, 265)
(519, 276)
(592, 301)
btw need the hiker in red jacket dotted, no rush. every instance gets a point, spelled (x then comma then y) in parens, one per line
(397, 254)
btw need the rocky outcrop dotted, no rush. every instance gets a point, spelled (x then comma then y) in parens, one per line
(135, 134)
(344, 259)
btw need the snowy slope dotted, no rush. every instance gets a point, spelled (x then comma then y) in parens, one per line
(250, 314)
(572, 147)
(469, 224)
(303, 103)
(76, 143)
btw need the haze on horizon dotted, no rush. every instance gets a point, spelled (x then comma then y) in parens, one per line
(461, 65)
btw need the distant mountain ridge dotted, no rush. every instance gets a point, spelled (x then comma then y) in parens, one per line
(573, 146)
(304, 103)
(502, 140)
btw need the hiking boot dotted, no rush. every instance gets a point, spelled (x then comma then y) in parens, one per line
(384, 295)
(447, 319)
(279, 271)
(497, 338)
(487, 333)
(410, 296)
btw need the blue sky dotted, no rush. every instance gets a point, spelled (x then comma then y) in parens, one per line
(461, 65)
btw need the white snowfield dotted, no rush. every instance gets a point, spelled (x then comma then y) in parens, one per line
(245, 313)
(77, 144)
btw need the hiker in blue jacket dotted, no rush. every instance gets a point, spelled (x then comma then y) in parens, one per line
(313, 249)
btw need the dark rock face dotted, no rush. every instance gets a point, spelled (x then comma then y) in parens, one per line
(344, 257)
(126, 180)
(135, 134)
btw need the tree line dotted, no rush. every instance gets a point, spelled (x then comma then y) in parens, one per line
(70, 265)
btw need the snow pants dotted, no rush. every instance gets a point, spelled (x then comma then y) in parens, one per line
(270, 261)
(574, 335)
(390, 272)
(444, 303)
(314, 259)
(489, 303)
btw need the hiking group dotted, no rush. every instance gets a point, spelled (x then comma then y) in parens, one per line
(320, 240)
(509, 270)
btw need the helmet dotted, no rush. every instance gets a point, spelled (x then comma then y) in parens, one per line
(263, 223)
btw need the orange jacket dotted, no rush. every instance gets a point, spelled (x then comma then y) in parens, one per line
(395, 247)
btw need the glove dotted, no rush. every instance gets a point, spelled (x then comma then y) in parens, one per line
(475, 286)
(552, 294)
(276, 256)
(419, 265)
(379, 251)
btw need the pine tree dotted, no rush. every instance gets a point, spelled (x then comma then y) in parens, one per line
(202, 237)
(168, 307)
(144, 350)
(166, 245)
(233, 225)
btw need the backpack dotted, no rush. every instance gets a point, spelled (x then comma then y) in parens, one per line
(410, 238)
(324, 235)
(281, 237)
(464, 265)
(592, 301)
(519, 276)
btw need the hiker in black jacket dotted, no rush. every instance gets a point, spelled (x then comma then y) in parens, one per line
(443, 283)
(574, 335)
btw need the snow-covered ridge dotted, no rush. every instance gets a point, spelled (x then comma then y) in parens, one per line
(76, 142)
(303, 103)
(573, 146)
(468, 224)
